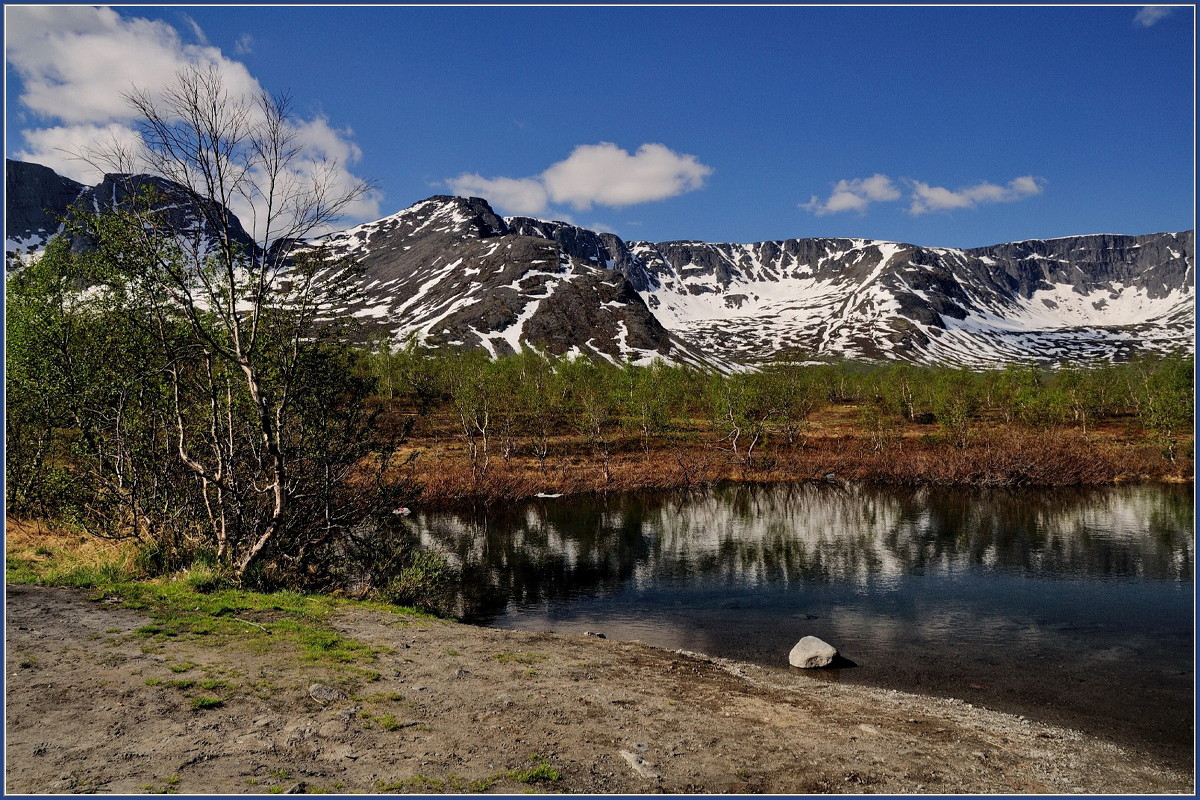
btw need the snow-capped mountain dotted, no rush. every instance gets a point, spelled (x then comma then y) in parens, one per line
(37, 199)
(1075, 298)
(1081, 297)
(452, 272)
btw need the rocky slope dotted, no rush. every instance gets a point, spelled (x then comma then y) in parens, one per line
(450, 271)
(37, 200)
(1076, 298)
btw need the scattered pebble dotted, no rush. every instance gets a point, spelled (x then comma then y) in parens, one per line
(640, 765)
(326, 694)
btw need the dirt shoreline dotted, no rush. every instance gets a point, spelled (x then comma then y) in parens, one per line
(456, 708)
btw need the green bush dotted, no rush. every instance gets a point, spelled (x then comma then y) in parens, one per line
(427, 582)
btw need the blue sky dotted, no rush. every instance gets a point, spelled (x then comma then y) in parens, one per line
(955, 126)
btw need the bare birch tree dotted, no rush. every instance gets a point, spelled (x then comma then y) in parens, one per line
(253, 302)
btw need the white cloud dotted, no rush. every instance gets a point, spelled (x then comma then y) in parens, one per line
(854, 195)
(1149, 15)
(197, 31)
(244, 45)
(522, 196)
(318, 139)
(594, 174)
(77, 63)
(53, 147)
(926, 198)
(607, 175)
(858, 194)
(936, 198)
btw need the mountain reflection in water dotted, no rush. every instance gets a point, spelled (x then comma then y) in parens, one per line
(786, 535)
(1047, 603)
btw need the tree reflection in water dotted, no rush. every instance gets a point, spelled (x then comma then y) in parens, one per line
(796, 534)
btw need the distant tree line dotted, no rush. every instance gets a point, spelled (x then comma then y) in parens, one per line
(523, 400)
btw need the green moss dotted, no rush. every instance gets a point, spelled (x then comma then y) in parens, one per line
(425, 783)
(540, 772)
(201, 703)
(389, 722)
(190, 606)
(482, 784)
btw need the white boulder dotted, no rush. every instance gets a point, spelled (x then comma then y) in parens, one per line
(810, 653)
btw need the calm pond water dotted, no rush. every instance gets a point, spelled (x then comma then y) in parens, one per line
(1073, 607)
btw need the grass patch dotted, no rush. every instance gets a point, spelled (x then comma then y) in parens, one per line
(541, 771)
(201, 703)
(538, 773)
(182, 666)
(193, 604)
(389, 722)
(181, 684)
(510, 657)
(426, 783)
(64, 556)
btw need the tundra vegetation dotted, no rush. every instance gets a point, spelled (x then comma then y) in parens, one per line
(483, 429)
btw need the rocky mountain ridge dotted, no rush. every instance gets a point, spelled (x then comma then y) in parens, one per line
(37, 200)
(451, 271)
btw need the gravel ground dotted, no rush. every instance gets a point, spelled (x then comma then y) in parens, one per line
(455, 708)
